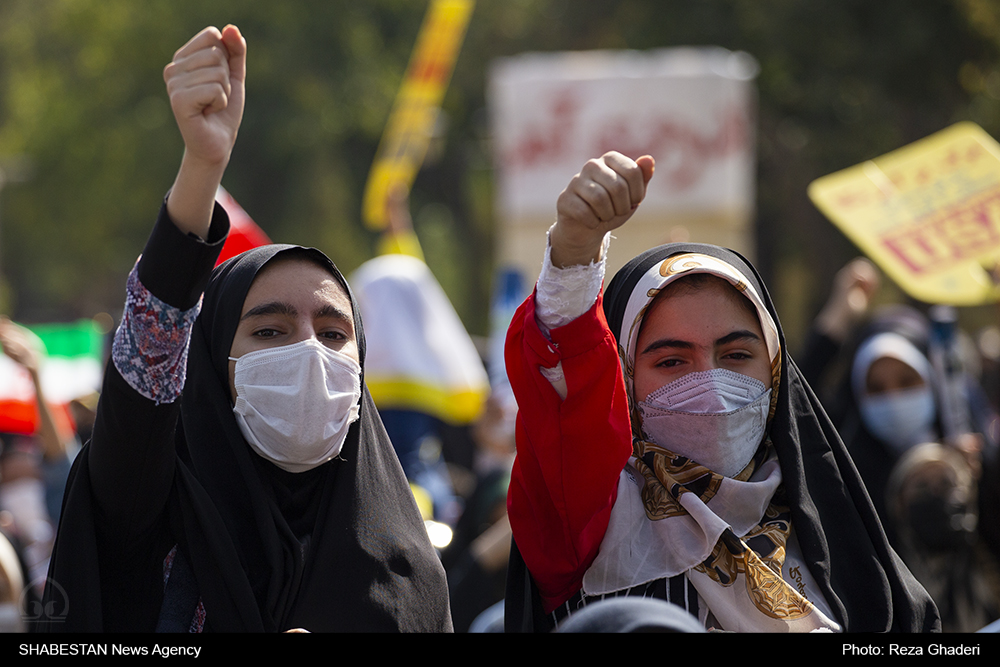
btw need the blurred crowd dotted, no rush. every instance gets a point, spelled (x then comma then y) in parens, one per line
(905, 388)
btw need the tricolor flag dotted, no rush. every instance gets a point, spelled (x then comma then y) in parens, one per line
(72, 357)
(244, 233)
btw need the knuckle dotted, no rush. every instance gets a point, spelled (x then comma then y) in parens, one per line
(618, 187)
(594, 191)
(579, 183)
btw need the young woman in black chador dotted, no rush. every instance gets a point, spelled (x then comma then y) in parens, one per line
(259, 493)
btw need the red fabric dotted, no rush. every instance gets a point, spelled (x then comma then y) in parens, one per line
(241, 240)
(569, 452)
(244, 233)
(20, 417)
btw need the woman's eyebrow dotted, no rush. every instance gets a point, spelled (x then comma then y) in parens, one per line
(741, 334)
(668, 342)
(271, 308)
(734, 336)
(330, 310)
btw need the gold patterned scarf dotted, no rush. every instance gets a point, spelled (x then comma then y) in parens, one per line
(751, 564)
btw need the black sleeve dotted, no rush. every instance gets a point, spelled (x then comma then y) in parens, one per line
(176, 266)
(132, 453)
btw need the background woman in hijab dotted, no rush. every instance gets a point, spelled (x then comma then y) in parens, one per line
(261, 492)
(892, 405)
(889, 400)
(887, 407)
(763, 525)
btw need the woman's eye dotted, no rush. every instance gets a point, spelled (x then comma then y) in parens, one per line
(265, 333)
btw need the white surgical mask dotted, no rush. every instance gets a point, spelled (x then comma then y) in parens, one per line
(902, 418)
(295, 404)
(716, 418)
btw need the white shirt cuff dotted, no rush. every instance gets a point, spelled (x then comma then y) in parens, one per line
(562, 295)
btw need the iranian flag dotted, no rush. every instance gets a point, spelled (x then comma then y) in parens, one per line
(71, 367)
(244, 233)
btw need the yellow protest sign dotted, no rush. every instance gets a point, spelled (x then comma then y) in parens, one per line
(407, 134)
(928, 214)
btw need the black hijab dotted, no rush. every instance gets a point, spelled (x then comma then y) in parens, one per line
(873, 458)
(341, 547)
(865, 583)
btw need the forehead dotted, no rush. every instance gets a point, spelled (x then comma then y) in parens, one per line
(888, 373)
(681, 267)
(297, 281)
(709, 307)
(891, 366)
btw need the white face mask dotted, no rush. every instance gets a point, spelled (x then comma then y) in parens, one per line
(295, 404)
(716, 418)
(900, 419)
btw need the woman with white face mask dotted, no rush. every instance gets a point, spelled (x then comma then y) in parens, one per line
(667, 447)
(892, 380)
(238, 478)
(888, 402)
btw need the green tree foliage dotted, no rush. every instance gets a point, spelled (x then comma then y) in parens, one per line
(81, 95)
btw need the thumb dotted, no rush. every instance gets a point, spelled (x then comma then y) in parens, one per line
(648, 166)
(237, 47)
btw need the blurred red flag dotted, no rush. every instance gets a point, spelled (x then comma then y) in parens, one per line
(243, 231)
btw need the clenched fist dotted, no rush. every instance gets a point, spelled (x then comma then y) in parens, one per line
(206, 81)
(601, 198)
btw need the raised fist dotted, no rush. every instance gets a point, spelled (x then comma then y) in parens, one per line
(601, 198)
(206, 81)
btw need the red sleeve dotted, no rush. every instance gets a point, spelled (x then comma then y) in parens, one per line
(569, 452)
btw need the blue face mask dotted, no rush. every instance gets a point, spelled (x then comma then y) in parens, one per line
(900, 419)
